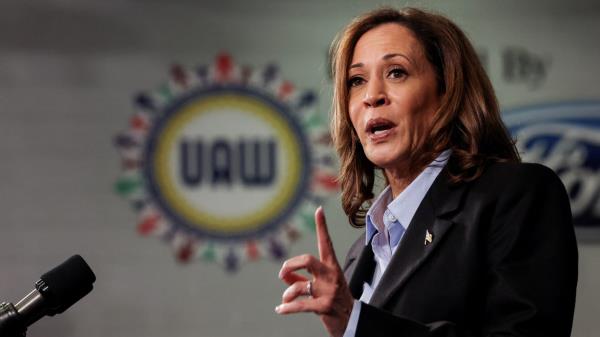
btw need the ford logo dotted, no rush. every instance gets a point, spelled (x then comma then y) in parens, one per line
(566, 138)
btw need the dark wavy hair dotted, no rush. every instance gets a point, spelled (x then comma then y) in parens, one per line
(468, 120)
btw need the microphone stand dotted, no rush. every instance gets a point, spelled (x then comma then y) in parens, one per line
(10, 322)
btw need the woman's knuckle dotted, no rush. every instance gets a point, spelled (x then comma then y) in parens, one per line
(307, 258)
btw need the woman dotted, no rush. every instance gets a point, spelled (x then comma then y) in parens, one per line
(464, 240)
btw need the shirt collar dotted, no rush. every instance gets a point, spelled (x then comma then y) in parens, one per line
(405, 205)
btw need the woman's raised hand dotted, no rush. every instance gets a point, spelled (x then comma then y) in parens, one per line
(327, 293)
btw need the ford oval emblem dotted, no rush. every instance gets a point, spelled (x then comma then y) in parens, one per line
(566, 138)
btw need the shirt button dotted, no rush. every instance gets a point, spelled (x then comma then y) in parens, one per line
(390, 216)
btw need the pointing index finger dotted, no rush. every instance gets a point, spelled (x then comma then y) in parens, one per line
(326, 252)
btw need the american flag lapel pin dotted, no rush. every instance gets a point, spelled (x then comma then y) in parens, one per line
(428, 237)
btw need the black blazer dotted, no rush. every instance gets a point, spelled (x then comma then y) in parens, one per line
(502, 261)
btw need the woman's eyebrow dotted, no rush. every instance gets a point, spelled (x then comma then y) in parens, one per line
(389, 56)
(385, 58)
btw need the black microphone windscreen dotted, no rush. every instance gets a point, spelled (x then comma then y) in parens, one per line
(67, 283)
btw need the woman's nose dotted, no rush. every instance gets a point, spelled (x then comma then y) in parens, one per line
(375, 94)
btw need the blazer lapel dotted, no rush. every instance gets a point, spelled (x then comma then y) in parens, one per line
(425, 232)
(361, 271)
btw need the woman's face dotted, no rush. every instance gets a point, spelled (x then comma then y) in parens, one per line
(393, 94)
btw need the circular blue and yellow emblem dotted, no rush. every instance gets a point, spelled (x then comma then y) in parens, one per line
(225, 163)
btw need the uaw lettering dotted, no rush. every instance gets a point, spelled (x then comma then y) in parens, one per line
(223, 163)
(226, 164)
(566, 138)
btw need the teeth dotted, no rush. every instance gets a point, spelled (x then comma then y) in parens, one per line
(378, 132)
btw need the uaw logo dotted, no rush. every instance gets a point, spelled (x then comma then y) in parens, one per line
(226, 163)
(566, 138)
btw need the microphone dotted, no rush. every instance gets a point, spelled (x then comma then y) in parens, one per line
(54, 292)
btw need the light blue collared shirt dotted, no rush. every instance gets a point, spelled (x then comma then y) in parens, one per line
(386, 222)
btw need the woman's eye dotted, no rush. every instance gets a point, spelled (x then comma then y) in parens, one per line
(397, 73)
(355, 81)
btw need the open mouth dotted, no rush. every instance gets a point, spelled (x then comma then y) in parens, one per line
(379, 126)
